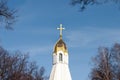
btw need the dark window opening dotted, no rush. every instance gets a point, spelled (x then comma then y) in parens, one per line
(60, 57)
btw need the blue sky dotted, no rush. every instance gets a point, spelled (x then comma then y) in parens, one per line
(35, 32)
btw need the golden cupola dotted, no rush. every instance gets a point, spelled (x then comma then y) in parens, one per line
(60, 45)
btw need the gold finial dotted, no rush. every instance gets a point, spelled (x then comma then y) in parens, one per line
(61, 28)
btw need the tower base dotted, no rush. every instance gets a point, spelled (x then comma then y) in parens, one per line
(60, 71)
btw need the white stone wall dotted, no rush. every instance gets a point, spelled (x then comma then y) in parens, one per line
(60, 69)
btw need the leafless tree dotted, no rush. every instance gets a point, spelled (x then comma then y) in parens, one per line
(102, 70)
(17, 67)
(107, 64)
(84, 3)
(7, 15)
(115, 60)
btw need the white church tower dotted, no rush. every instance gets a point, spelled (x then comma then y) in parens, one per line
(60, 68)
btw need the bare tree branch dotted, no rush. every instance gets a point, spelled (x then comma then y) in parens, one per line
(17, 67)
(85, 3)
(7, 15)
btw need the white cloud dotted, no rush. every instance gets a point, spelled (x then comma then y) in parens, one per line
(33, 50)
(93, 37)
(39, 50)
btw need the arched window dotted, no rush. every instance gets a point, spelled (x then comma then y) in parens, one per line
(60, 57)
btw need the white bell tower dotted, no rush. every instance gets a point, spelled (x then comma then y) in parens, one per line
(60, 69)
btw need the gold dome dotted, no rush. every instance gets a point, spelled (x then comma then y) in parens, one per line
(60, 46)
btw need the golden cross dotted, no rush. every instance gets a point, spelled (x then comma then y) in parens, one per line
(61, 28)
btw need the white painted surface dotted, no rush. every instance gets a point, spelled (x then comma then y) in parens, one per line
(60, 69)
